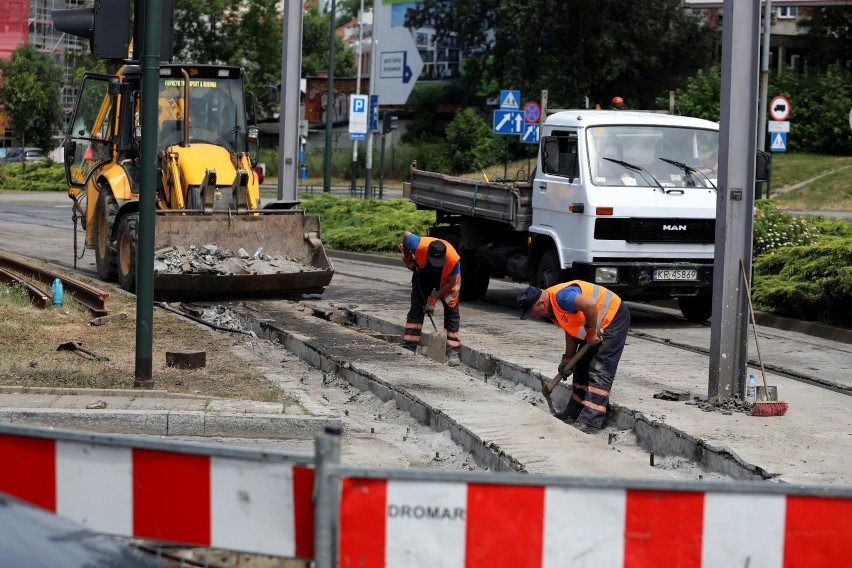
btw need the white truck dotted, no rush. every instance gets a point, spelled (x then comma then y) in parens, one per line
(623, 199)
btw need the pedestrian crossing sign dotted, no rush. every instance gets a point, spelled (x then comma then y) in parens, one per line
(510, 100)
(779, 142)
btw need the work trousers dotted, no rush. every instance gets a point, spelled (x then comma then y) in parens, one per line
(595, 373)
(414, 321)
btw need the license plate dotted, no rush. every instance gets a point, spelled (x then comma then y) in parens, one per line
(676, 274)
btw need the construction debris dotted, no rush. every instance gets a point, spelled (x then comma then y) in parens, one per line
(215, 260)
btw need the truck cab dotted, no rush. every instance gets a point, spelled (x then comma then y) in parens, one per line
(627, 200)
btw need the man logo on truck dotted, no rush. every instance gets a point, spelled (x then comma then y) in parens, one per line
(674, 227)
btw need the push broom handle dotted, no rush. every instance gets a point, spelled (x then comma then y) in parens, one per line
(754, 329)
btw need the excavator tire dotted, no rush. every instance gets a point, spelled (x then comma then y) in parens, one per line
(126, 249)
(105, 210)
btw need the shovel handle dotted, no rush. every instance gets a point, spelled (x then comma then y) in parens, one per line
(565, 369)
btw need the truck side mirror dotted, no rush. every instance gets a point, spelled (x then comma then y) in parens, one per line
(762, 166)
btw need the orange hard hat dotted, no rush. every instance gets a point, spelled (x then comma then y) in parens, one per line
(617, 101)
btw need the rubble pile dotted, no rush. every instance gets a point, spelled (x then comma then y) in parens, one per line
(215, 260)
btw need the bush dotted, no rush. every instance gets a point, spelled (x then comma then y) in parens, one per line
(774, 229)
(807, 282)
(470, 143)
(39, 176)
(366, 225)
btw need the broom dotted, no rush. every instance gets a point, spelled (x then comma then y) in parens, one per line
(761, 407)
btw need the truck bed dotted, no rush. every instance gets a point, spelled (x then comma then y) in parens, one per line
(504, 202)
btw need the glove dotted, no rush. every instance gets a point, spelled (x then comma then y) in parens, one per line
(429, 309)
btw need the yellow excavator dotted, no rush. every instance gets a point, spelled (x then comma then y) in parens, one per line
(213, 237)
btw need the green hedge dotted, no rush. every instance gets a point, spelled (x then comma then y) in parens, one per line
(39, 176)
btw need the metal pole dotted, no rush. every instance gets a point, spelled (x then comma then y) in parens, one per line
(329, 105)
(357, 92)
(764, 75)
(288, 122)
(147, 187)
(325, 498)
(735, 198)
(368, 159)
(382, 165)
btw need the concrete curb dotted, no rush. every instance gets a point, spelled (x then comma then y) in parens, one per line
(174, 423)
(134, 393)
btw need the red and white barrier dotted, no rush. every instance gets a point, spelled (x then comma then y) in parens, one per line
(256, 506)
(412, 524)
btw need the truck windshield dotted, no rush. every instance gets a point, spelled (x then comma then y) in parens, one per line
(216, 113)
(662, 151)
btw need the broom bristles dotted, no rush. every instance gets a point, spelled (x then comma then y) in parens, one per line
(769, 408)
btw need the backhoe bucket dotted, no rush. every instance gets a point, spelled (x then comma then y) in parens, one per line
(246, 255)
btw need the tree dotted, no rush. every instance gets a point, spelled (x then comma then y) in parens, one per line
(829, 36)
(315, 28)
(209, 31)
(348, 9)
(573, 48)
(30, 95)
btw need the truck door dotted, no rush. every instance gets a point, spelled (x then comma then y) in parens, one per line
(557, 186)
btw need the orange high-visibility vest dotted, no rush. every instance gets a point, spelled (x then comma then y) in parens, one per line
(607, 301)
(421, 257)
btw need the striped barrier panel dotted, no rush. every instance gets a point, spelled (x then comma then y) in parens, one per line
(193, 494)
(434, 523)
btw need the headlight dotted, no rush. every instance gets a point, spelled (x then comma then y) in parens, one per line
(606, 275)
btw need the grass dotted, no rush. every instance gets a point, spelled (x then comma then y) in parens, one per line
(29, 338)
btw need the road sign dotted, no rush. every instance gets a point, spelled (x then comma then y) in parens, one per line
(373, 121)
(779, 126)
(530, 133)
(532, 112)
(510, 100)
(359, 106)
(508, 122)
(779, 142)
(397, 64)
(779, 108)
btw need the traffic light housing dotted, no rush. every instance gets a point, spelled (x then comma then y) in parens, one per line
(106, 25)
(388, 122)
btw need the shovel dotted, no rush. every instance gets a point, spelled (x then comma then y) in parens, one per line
(435, 346)
(565, 370)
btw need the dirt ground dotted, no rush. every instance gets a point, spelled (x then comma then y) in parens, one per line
(29, 338)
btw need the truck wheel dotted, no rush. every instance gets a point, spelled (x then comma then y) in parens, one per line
(475, 278)
(127, 252)
(105, 210)
(549, 271)
(696, 309)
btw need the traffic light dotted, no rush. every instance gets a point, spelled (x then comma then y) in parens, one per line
(106, 25)
(388, 122)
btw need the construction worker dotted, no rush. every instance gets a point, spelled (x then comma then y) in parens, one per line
(592, 314)
(436, 268)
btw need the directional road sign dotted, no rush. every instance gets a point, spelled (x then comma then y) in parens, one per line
(510, 100)
(397, 64)
(532, 112)
(779, 108)
(530, 133)
(778, 142)
(508, 122)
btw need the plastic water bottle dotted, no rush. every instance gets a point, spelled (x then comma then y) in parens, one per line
(57, 292)
(751, 389)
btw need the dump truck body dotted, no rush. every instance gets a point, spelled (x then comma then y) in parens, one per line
(207, 195)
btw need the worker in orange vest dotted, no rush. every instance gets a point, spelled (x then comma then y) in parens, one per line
(592, 314)
(437, 276)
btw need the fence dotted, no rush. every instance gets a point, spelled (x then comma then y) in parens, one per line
(262, 502)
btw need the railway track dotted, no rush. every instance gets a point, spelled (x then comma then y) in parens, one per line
(501, 358)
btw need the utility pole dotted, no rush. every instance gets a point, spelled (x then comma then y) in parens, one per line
(288, 117)
(357, 92)
(329, 104)
(734, 199)
(368, 159)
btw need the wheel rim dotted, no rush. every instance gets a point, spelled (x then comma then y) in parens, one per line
(124, 254)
